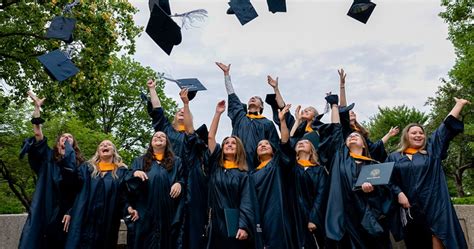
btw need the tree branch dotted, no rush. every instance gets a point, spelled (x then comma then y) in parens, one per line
(2, 35)
(11, 183)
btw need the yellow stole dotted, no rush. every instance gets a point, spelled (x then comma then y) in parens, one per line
(263, 164)
(253, 116)
(360, 157)
(159, 156)
(104, 166)
(180, 128)
(306, 163)
(308, 127)
(410, 151)
(230, 165)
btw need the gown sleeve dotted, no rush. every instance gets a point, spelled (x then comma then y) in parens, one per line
(235, 110)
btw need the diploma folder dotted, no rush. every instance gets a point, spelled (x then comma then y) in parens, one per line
(231, 221)
(375, 174)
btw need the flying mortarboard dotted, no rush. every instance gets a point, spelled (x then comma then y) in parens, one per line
(163, 30)
(361, 10)
(57, 65)
(243, 9)
(192, 84)
(276, 6)
(164, 5)
(61, 28)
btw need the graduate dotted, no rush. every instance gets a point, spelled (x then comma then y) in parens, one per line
(249, 125)
(349, 123)
(48, 216)
(156, 191)
(270, 182)
(428, 217)
(228, 190)
(195, 217)
(355, 218)
(101, 202)
(306, 121)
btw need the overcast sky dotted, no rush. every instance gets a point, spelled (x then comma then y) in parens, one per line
(397, 58)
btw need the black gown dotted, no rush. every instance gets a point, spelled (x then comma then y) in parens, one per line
(228, 188)
(196, 216)
(97, 210)
(354, 219)
(249, 130)
(160, 215)
(423, 181)
(271, 185)
(54, 195)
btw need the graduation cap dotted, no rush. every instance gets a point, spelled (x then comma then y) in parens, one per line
(313, 138)
(164, 5)
(192, 84)
(202, 133)
(163, 30)
(57, 65)
(243, 9)
(361, 10)
(61, 28)
(271, 100)
(276, 6)
(346, 108)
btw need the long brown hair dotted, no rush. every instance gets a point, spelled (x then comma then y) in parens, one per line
(168, 157)
(314, 158)
(57, 156)
(240, 157)
(404, 142)
(365, 149)
(360, 129)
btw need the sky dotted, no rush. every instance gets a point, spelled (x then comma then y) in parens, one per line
(397, 58)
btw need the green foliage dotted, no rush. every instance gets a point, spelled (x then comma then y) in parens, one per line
(388, 117)
(103, 28)
(463, 200)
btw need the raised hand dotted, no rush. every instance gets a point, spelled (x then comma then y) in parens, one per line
(272, 82)
(151, 83)
(37, 101)
(183, 94)
(393, 131)
(282, 113)
(224, 68)
(298, 113)
(462, 101)
(342, 76)
(220, 107)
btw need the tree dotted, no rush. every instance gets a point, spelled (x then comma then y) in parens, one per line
(103, 28)
(388, 117)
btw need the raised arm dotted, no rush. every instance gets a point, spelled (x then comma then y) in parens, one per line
(332, 100)
(297, 123)
(36, 116)
(391, 133)
(211, 139)
(228, 83)
(460, 103)
(155, 101)
(285, 134)
(188, 118)
(274, 84)
(342, 87)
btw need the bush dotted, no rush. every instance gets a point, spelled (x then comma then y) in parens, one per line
(463, 200)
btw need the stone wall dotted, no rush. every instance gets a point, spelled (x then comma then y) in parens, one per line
(12, 224)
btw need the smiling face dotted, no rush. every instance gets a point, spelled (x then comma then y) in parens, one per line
(158, 141)
(264, 149)
(309, 113)
(106, 149)
(229, 147)
(416, 137)
(63, 138)
(355, 140)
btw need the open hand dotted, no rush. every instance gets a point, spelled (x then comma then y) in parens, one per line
(462, 101)
(282, 112)
(37, 101)
(183, 94)
(140, 174)
(66, 221)
(272, 82)
(225, 68)
(175, 190)
(342, 76)
(220, 108)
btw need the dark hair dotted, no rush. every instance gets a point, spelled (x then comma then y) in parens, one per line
(57, 156)
(360, 129)
(168, 157)
(365, 150)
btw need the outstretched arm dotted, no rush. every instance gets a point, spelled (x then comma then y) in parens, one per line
(297, 123)
(36, 114)
(274, 84)
(285, 134)
(228, 83)
(155, 101)
(391, 133)
(211, 139)
(332, 100)
(460, 103)
(188, 118)
(342, 87)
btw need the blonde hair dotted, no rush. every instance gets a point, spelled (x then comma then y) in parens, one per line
(174, 124)
(314, 158)
(316, 113)
(116, 159)
(240, 157)
(404, 141)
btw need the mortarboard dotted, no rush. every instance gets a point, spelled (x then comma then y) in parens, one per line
(192, 84)
(313, 138)
(163, 30)
(271, 100)
(57, 65)
(61, 28)
(164, 5)
(202, 133)
(361, 10)
(243, 9)
(276, 6)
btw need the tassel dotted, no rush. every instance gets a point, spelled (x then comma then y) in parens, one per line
(189, 18)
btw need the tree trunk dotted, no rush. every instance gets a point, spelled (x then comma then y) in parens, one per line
(458, 183)
(19, 193)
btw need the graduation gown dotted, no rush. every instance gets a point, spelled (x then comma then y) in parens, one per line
(249, 130)
(99, 206)
(177, 138)
(271, 187)
(228, 188)
(159, 225)
(54, 195)
(195, 216)
(353, 218)
(423, 181)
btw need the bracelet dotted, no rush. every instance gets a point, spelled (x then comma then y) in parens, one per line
(37, 121)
